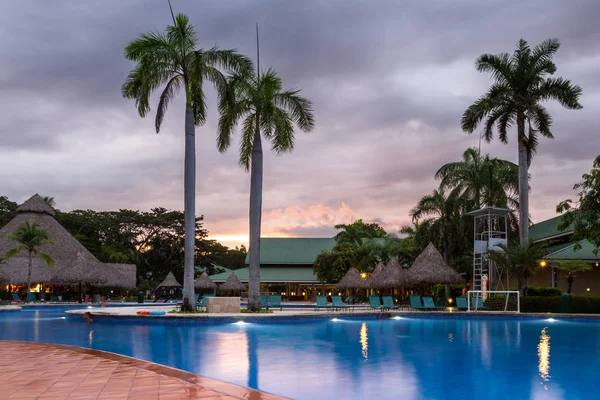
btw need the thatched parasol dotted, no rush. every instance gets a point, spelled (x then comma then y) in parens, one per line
(430, 267)
(121, 275)
(232, 283)
(204, 282)
(391, 276)
(352, 280)
(73, 263)
(372, 281)
(169, 282)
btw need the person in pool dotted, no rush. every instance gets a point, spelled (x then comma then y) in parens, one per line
(87, 317)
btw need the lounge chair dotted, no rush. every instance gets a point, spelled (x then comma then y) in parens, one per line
(349, 300)
(374, 303)
(388, 303)
(53, 297)
(461, 304)
(263, 301)
(338, 304)
(31, 298)
(322, 303)
(430, 305)
(197, 297)
(202, 303)
(415, 302)
(477, 304)
(275, 302)
(15, 297)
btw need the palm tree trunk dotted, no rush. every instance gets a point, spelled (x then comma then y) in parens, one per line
(189, 300)
(446, 259)
(523, 182)
(30, 266)
(256, 181)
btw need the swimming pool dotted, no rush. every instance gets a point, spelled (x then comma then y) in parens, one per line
(350, 358)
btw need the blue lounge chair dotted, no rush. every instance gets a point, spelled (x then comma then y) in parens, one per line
(263, 301)
(15, 297)
(197, 297)
(374, 303)
(322, 303)
(349, 300)
(430, 305)
(275, 302)
(461, 304)
(388, 303)
(339, 305)
(415, 302)
(31, 298)
(477, 304)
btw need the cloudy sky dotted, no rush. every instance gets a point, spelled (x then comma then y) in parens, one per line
(389, 81)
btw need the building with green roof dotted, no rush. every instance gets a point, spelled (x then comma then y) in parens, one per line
(286, 266)
(561, 248)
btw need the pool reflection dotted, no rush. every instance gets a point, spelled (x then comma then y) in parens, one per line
(544, 357)
(364, 341)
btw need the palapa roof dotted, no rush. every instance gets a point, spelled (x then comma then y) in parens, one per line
(73, 263)
(375, 275)
(390, 276)
(352, 280)
(204, 282)
(121, 275)
(430, 267)
(232, 283)
(169, 281)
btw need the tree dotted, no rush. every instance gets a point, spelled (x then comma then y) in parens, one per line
(584, 213)
(49, 200)
(522, 84)
(482, 181)
(357, 231)
(332, 266)
(570, 267)
(262, 107)
(8, 210)
(171, 59)
(521, 261)
(30, 237)
(440, 214)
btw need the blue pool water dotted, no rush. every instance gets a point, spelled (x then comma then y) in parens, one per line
(351, 358)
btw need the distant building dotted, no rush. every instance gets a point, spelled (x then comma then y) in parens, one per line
(587, 283)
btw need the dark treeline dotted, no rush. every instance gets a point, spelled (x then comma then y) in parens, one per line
(152, 240)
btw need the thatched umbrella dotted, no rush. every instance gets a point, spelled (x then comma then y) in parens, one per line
(121, 275)
(169, 282)
(430, 268)
(73, 263)
(204, 282)
(232, 283)
(352, 280)
(372, 281)
(391, 276)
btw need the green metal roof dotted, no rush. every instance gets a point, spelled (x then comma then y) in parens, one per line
(292, 250)
(567, 253)
(547, 229)
(273, 274)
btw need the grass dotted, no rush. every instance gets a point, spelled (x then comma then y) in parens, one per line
(188, 312)
(262, 311)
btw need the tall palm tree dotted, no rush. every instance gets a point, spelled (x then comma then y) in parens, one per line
(259, 103)
(483, 181)
(171, 59)
(30, 237)
(522, 84)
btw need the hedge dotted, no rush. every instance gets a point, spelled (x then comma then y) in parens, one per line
(541, 304)
(543, 291)
(439, 291)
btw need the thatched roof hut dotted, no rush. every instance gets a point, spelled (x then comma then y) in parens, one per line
(232, 283)
(352, 280)
(204, 282)
(430, 267)
(121, 275)
(73, 262)
(391, 276)
(169, 282)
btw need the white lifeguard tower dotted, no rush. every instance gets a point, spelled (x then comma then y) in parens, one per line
(490, 229)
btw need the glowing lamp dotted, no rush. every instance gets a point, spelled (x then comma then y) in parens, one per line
(587, 289)
(543, 264)
(303, 293)
(597, 264)
(449, 301)
(363, 275)
(329, 293)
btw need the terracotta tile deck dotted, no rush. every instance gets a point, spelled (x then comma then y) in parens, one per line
(49, 372)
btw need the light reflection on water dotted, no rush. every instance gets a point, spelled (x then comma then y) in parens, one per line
(364, 340)
(544, 357)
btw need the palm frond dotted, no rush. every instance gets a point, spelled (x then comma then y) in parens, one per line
(248, 132)
(283, 138)
(498, 65)
(229, 60)
(13, 252)
(167, 95)
(300, 109)
(47, 258)
(561, 90)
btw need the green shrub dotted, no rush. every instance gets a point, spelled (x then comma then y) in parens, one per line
(540, 304)
(543, 291)
(262, 311)
(3, 294)
(440, 291)
(585, 305)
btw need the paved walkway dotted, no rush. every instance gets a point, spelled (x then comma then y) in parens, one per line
(51, 372)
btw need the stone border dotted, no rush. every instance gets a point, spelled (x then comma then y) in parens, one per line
(10, 308)
(224, 388)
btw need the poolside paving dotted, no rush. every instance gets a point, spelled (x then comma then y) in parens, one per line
(48, 371)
